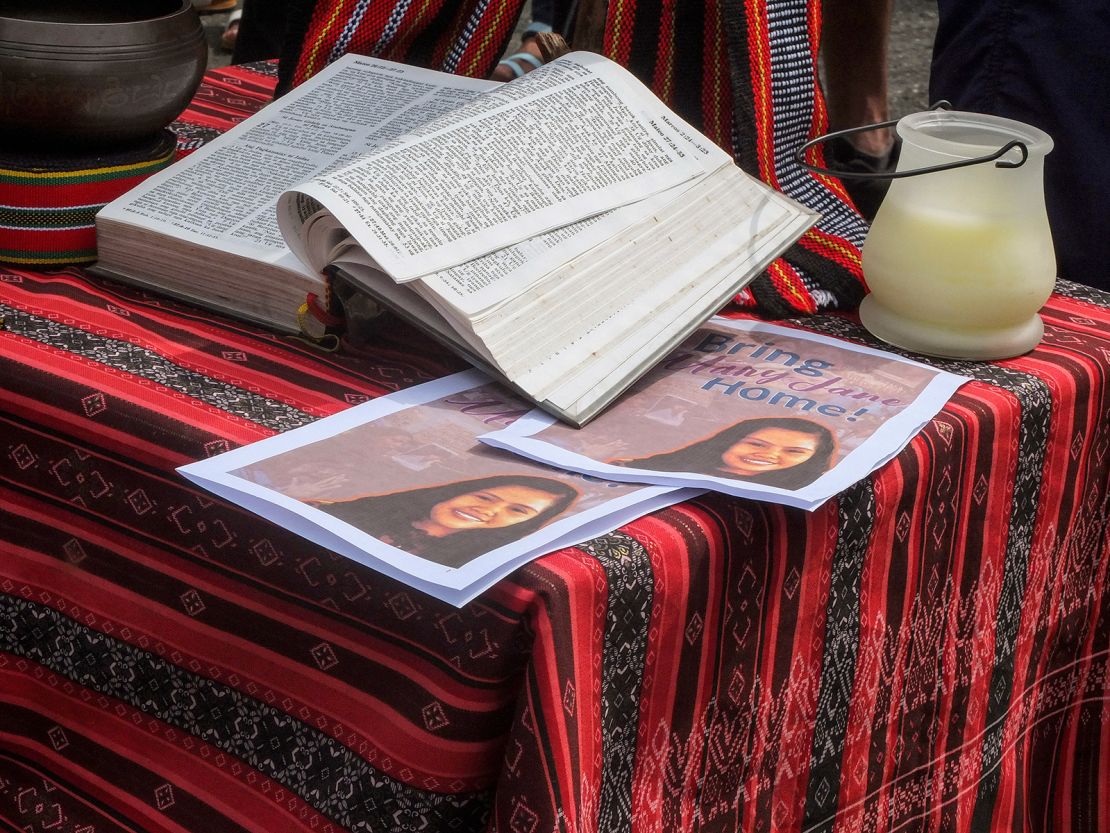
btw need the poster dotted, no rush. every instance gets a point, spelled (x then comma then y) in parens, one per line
(752, 410)
(401, 484)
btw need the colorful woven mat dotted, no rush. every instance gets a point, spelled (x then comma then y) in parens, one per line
(464, 37)
(48, 202)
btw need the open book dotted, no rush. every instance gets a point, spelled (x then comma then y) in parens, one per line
(562, 231)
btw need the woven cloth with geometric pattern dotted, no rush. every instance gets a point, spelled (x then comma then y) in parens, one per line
(48, 201)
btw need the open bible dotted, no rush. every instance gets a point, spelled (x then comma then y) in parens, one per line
(562, 231)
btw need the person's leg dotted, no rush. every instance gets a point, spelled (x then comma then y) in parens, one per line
(547, 16)
(854, 40)
(231, 30)
(261, 31)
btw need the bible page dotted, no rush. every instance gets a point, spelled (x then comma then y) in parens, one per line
(684, 292)
(224, 194)
(478, 287)
(569, 140)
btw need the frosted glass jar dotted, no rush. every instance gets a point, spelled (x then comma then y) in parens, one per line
(959, 261)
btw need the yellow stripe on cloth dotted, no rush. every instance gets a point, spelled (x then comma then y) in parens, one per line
(86, 172)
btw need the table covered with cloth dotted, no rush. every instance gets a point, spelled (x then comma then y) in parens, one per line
(926, 652)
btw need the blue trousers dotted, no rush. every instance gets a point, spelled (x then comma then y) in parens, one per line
(1043, 62)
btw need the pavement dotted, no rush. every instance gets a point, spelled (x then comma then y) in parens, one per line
(913, 25)
(214, 25)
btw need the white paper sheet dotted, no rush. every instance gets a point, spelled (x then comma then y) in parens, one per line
(225, 193)
(495, 172)
(847, 410)
(400, 448)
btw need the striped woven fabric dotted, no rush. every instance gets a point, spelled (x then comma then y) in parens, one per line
(464, 37)
(48, 202)
(928, 652)
(744, 72)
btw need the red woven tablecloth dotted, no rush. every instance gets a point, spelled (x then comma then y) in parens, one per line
(928, 652)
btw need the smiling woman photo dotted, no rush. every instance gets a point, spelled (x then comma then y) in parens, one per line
(788, 452)
(453, 523)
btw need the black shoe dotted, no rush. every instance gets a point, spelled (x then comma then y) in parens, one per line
(867, 194)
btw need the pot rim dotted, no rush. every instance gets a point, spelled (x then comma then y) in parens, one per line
(46, 32)
(928, 130)
(100, 52)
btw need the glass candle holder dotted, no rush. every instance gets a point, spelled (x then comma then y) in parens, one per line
(959, 261)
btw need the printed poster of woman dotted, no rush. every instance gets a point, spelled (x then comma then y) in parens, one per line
(786, 452)
(452, 523)
(418, 480)
(750, 409)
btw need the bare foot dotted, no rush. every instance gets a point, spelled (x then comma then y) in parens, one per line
(231, 31)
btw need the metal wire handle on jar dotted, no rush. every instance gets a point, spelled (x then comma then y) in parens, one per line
(800, 153)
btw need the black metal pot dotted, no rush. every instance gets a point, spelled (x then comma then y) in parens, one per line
(82, 74)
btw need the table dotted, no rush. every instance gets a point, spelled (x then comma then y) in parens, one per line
(929, 651)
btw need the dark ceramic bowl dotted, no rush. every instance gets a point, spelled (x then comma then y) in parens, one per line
(77, 74)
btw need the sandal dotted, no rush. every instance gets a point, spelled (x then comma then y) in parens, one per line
(866, 194)
(514, 61)
(536, 49)
(213, 6)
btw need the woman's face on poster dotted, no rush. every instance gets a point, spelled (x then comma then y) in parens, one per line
(492, 508)
(767, 450)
